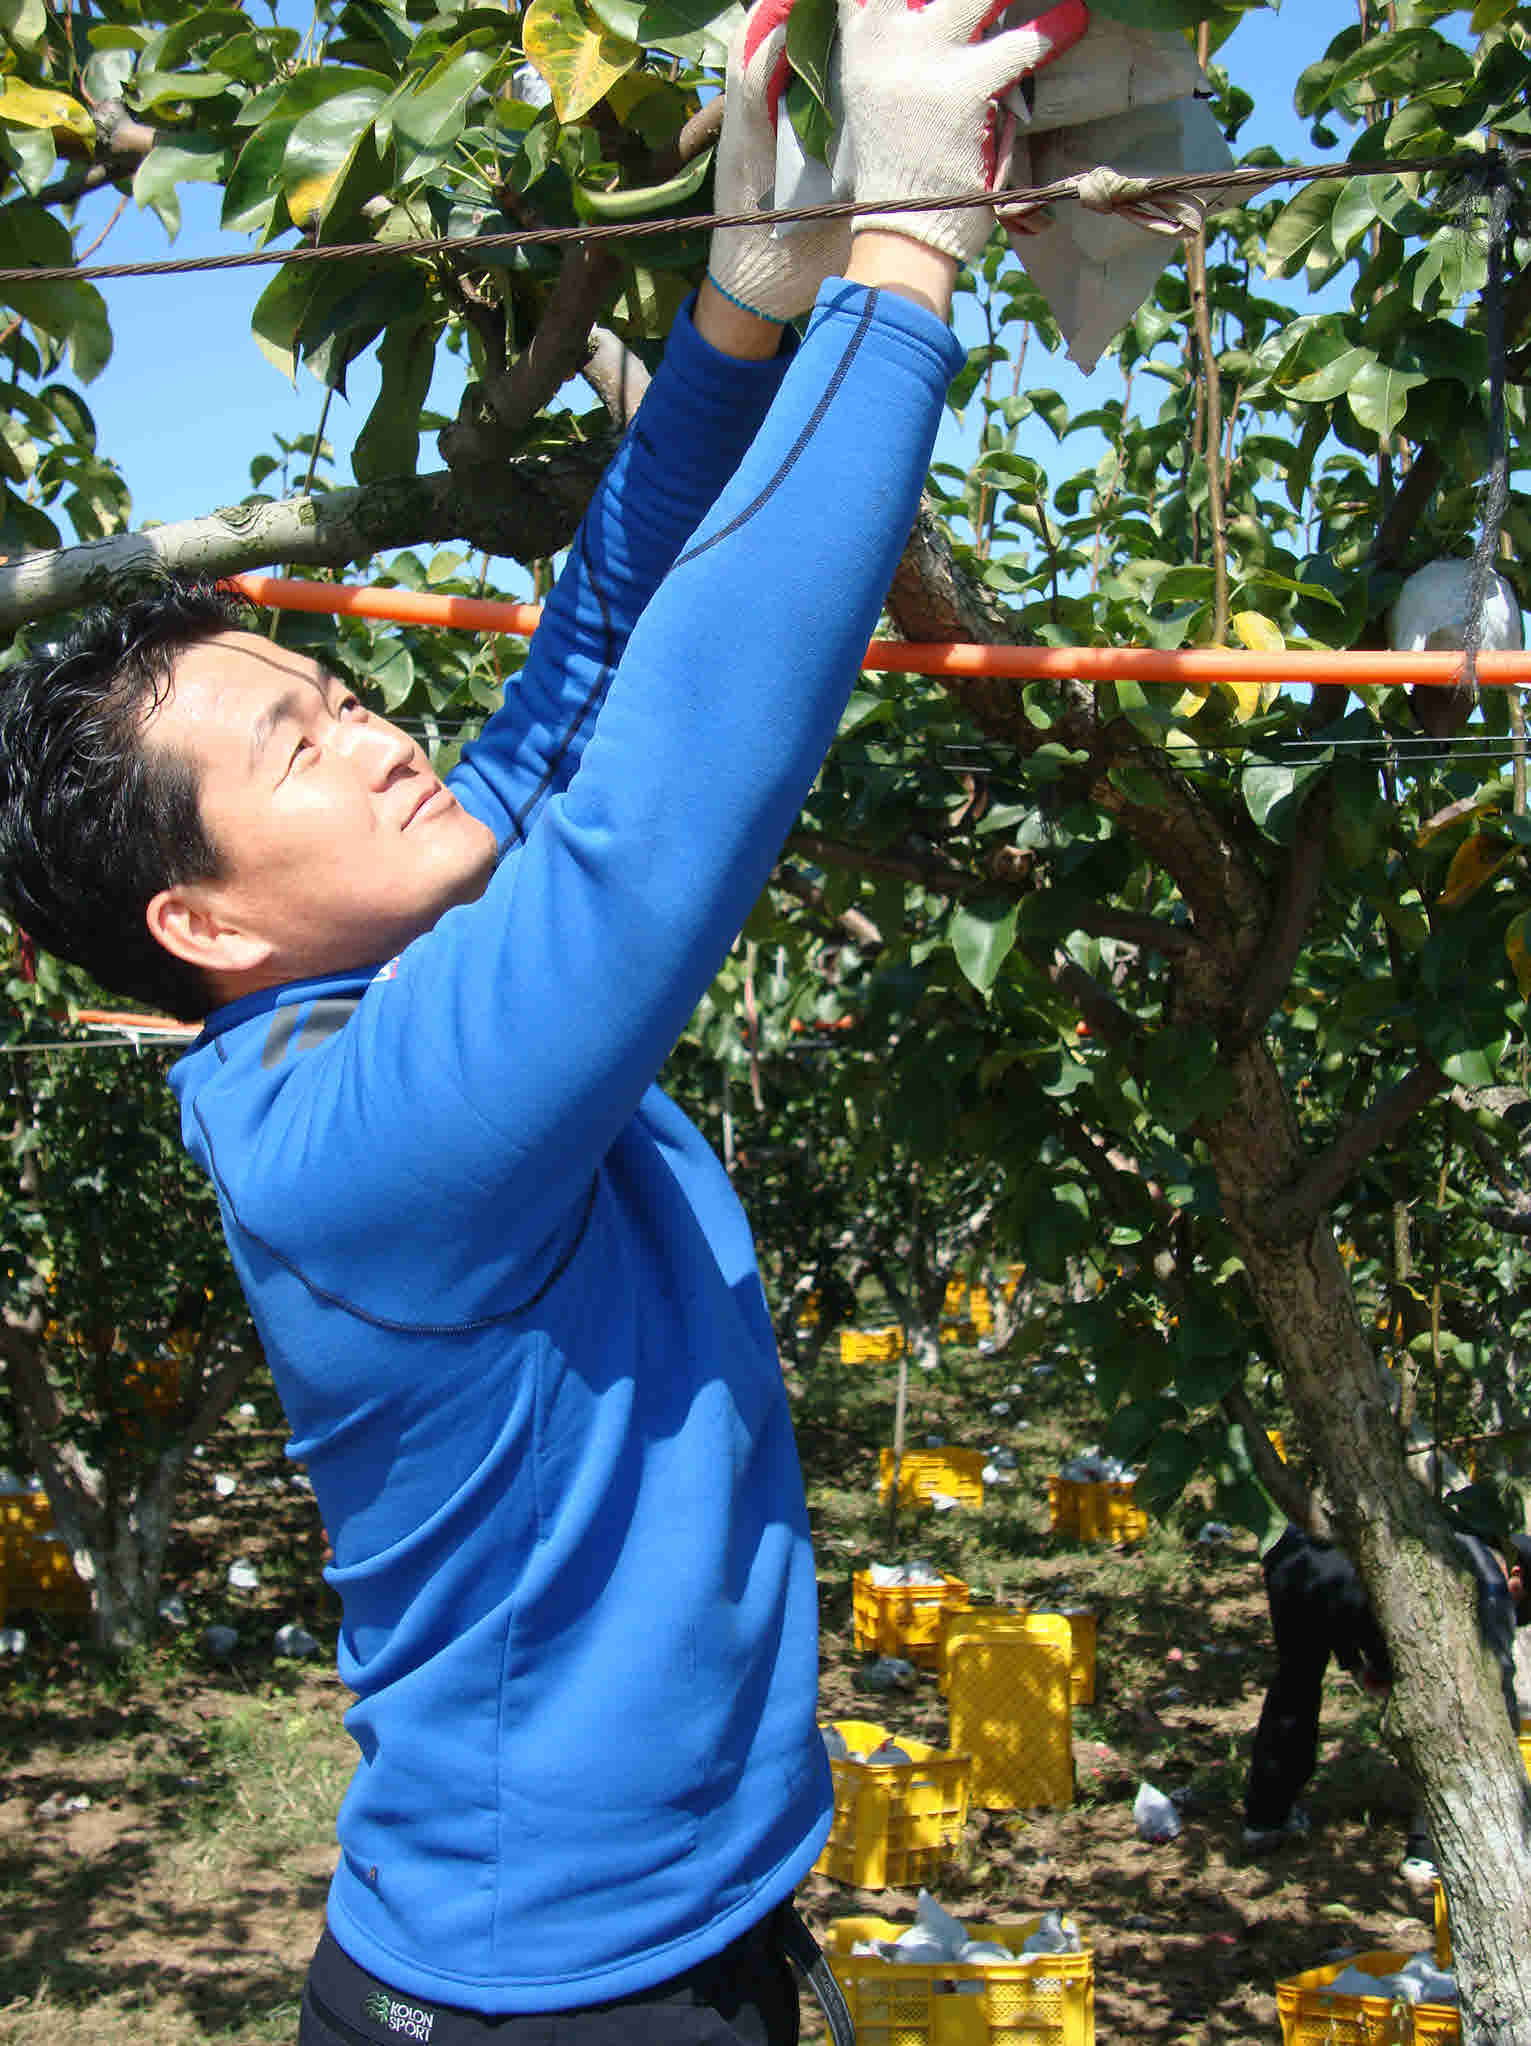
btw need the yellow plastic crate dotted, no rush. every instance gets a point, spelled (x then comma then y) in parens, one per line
(871, 1345)
(1095, 1512)
(1108, 1512)
(38, 1574)
(895, 1822)
(903, 1619)
(1000, 1619)
(969, 1306)
(1009, 1702)
(36, 1568)
(1038, 2000)
(1312, 2014)
(1063, 1505)
(25, 1513)
(1442, 1926)
(924, 1472)
(1082, 1628)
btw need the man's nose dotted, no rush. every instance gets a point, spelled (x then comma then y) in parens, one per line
(382, 748)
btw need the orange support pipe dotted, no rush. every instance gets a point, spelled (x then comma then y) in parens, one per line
(407, 607)
(1354, 669)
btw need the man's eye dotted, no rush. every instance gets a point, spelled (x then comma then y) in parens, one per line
(349, 704)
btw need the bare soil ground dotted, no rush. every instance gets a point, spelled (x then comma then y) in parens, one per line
(181, 1902)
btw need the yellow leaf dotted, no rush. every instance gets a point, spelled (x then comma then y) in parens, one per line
(307, 197)
(577, 58)
(34, 106)
(1476, 860)
(1190, 700)
(1519, 953)
(1249, 697)
(1260, 634)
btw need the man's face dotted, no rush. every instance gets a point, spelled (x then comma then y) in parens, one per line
(339, 843)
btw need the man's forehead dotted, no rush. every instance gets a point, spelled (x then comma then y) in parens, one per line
(238, 663)
(226, 681)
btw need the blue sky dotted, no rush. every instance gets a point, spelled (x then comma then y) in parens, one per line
(188, 399)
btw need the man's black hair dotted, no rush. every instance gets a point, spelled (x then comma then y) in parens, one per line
(93, 824)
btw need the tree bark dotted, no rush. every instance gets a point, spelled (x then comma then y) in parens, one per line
(1446, 1721)
(526, 508)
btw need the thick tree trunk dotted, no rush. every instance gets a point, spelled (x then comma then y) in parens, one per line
(117, 1520)
(1447, 1720)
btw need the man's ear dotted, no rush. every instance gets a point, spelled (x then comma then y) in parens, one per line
(190, 922)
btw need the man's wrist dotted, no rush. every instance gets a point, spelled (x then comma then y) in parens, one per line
(895, 262)
(732, 327)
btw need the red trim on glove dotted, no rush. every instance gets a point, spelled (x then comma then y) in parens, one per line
(766, 16)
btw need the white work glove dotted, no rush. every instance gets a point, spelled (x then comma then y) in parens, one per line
(776, 276)
(913, 100)
(1109, 70)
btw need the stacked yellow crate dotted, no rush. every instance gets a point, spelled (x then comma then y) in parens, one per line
(1313, 2014)
(895, 1822)
(922, 1473)
(903, 1619)
(871, 1345)
(1034, 2000)
(1009, 1695)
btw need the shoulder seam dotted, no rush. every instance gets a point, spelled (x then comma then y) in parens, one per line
(351, 1307)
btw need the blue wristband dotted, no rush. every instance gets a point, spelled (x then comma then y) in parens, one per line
(754, 310)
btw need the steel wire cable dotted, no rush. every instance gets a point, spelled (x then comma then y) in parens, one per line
(462, 248)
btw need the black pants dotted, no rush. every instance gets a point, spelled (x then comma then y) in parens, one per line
(1318, 1610)
(745, 1996)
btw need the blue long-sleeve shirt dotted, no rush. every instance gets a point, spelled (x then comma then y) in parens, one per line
(509, 1300)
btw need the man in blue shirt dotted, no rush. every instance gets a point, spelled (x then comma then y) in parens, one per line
(507, 1296)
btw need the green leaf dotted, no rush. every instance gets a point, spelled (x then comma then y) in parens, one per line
(34, 154)
(810, 36)
(1378, 395)
(1172, 1461)
(253, 189)
(982, 936)
(1356, 210)
(1270, 797)
(389, 442)
(808, 117)
(392, 674)
(73, 313)
(1298, 227)
(319, 143)
(433, 111)
(201, 159)
(151, 90)
(23, 528)
(1332, 379)
(18, 451)
(641, 201)
(697, 30)
(1403, 65)
(23, 23)
(277, 316)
